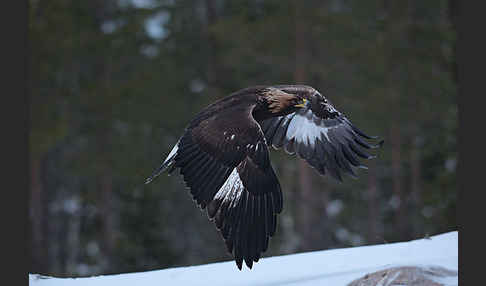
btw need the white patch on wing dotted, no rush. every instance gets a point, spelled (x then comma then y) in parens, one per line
(231, 189)
(173, 152)
(294, 126)
(305, 130)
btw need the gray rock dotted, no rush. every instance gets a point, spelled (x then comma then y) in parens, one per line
(410, 276)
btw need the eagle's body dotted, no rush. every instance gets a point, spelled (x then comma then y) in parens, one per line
(223, 157)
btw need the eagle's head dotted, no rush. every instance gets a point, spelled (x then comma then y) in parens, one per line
(279, 102)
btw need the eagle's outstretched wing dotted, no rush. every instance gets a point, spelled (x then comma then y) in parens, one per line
(321, 135)
(225, 164)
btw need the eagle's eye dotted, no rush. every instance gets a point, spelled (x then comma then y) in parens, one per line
(301, 102)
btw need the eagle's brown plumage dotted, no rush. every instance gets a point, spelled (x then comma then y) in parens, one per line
(223, 157)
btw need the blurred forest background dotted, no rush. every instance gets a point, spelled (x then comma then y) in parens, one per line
(114, 83)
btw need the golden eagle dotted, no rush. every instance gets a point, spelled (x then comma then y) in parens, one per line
(223, 157)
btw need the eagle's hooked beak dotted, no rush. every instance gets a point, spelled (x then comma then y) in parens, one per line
(304, 101)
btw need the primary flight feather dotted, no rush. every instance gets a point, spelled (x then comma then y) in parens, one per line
(223, 157)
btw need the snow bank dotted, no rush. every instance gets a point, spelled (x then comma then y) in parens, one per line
(327, 267)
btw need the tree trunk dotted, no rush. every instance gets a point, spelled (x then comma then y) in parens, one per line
(373, 210)
(37, 217)
(399, 195)
(107, 216)
(212, 71)
(107, 210)
(396, 28)
(415, 182)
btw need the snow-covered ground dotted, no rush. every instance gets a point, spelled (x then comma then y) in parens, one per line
(328, 267)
